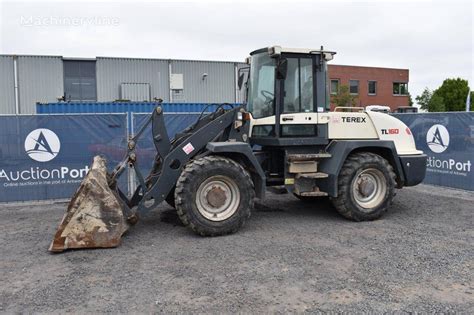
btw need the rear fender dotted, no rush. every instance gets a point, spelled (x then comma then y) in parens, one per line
(340, 150)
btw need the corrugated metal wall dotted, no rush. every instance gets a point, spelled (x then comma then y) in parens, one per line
(112, 72)
(40, 79)
(217, 86)
(135, 92)
(7, 85)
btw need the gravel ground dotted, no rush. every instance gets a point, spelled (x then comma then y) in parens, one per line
(290, 257)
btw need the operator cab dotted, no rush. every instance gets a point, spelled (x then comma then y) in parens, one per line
(287, 87)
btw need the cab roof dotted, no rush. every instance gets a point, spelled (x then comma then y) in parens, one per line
(276, 50)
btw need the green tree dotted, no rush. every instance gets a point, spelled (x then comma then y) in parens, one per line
(436, 103)
(454, 93)
(424, 99)
(344, 97)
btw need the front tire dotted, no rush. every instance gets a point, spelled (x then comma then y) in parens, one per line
(366, 186)
(214, 196)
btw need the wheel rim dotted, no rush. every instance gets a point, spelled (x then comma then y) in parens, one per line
(369, 188)
(218, 198)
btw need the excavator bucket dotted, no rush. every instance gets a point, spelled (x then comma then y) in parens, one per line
(95, 216)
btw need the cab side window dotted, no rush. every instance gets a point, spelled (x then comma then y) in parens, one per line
(306, 78)
(298, 89)
(291, 91)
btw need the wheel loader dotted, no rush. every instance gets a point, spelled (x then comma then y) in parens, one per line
(284, 136)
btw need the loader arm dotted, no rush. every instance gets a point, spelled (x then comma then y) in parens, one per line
(172, 158)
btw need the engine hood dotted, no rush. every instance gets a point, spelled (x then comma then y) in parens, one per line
(393, 129)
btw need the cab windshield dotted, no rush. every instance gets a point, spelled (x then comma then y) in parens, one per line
(261, 97)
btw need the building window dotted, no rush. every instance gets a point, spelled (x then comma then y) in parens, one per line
(334, 86)
(354, 86)
(400, 88)
(372, 87)
(80, 81)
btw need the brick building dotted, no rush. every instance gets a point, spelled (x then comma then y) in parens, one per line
(371, 85)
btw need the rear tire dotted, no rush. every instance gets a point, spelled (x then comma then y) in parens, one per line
(214, 196)
(366, 186)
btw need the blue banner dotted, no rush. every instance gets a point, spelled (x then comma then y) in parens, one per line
(448, 141)
(46, 156)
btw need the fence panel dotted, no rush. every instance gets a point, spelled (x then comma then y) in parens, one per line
(448, 141)
(46, 156)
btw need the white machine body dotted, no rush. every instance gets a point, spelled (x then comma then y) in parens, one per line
(366, 125)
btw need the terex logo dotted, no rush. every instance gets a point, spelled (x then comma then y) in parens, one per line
(393, 131)
(353, 119)
(437, 138)
(42, 145)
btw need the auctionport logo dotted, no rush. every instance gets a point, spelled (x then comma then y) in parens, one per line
(437, 138)
(42, 145)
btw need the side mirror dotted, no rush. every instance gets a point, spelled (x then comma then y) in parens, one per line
(282, 68)
(241, 80)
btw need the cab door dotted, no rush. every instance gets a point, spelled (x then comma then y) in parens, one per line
(298, 111)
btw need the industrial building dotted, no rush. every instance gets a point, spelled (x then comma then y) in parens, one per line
(26, 80)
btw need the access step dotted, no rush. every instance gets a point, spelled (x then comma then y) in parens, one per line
(314, 175)
(313, 194)
(308, 157)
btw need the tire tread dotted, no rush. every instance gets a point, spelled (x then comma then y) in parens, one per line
(183, 200)
(350, 167)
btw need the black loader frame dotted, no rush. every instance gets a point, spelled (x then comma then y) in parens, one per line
(215, 133)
